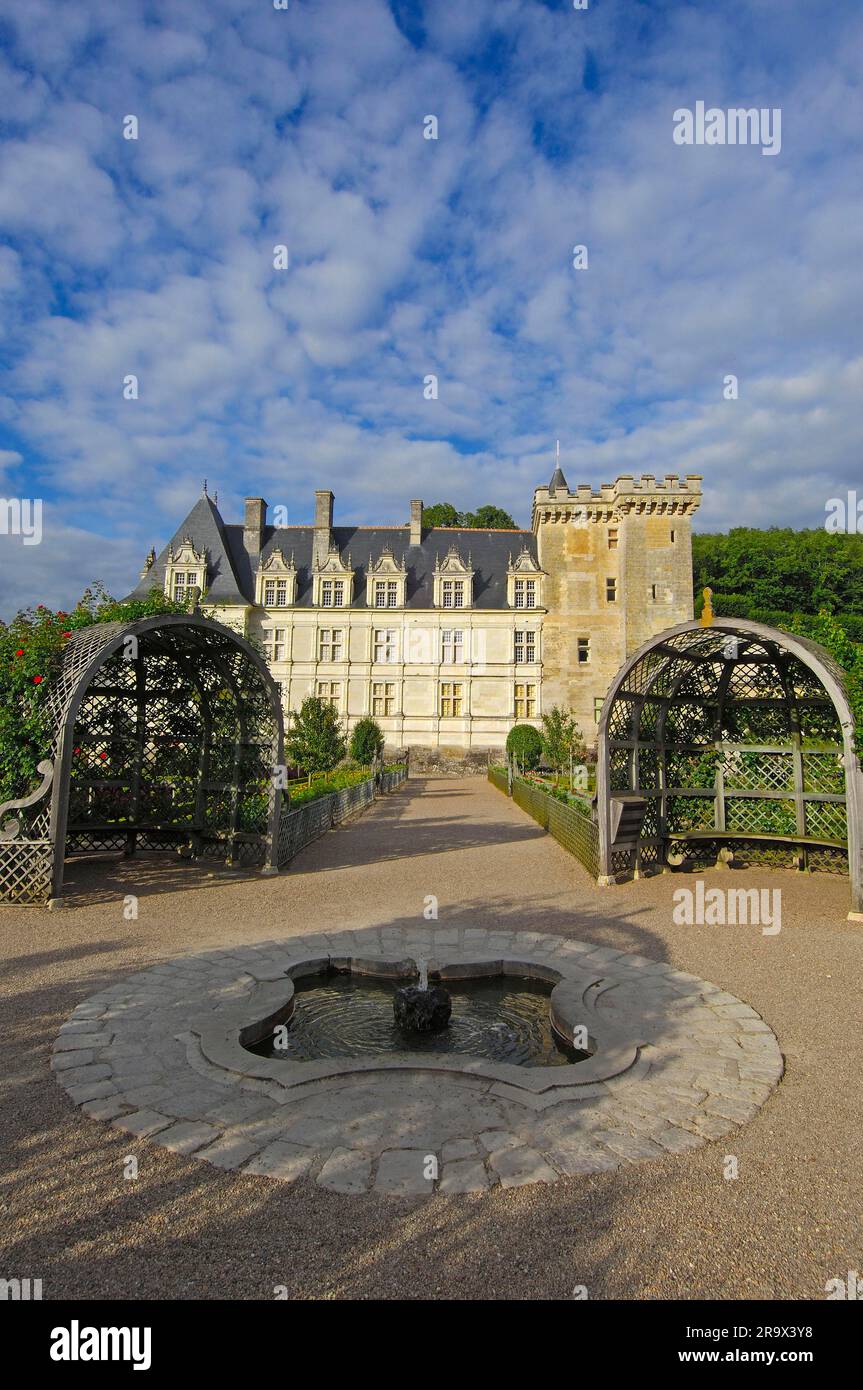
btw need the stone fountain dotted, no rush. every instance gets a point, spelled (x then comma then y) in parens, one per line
(421, 1009)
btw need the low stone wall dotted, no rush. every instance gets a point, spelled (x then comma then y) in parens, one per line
(449, 762)
(298, 828)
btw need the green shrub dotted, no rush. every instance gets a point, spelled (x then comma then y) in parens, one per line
(324, 785)
(524, 743)
(315, 740)
(367, 741)
(561, 739)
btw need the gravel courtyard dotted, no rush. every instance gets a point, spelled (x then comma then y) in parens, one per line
(674, 1227)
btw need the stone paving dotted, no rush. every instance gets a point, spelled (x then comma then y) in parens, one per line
(702, 1064)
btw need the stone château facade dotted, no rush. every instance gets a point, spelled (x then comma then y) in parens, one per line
(448, 636)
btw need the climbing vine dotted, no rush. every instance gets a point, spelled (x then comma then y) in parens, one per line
(31, 648)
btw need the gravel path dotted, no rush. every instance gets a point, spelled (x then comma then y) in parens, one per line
(671, 1228)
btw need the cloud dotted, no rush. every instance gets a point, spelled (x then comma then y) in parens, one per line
(411, 257)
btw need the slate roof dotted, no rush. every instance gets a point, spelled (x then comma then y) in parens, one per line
(232, 568)
(558, 481)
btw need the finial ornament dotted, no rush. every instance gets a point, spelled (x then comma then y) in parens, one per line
(205, 487)
(707, 611)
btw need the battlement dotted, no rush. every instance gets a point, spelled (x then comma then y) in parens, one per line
(627, 495)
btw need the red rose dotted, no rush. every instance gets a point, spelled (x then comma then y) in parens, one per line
(20, 651)
(65, 634)
(104, 757)
(37, 680)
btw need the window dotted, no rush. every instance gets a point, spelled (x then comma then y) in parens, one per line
(450, 700)
(452, 646)
(525, 646)
(184, 582)
(331, 692)
(525, 593)
(386, 593)
(598, 701)
(611, 590)
(653, 591)
(330, 644)
(525, 701)
(672, 535)
(383, 697)
(612, 537)
(453, 593)
(274, 644)
(275, 593)
(385, 644)
(583, 650)
(332, 593)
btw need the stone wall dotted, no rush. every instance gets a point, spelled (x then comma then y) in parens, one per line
(448, 762)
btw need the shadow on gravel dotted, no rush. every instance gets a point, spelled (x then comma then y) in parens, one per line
(185, 1230)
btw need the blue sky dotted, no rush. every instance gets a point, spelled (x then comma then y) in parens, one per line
(411, 257)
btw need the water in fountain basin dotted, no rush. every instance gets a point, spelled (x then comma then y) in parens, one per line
(343, 1015)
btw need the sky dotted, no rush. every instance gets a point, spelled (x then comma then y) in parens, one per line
(409, 257)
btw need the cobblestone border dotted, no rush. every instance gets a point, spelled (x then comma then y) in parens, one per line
(136, 1055)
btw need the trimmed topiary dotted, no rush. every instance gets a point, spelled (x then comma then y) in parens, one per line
(524, 743)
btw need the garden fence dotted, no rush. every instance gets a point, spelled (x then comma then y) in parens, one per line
(571, 828)
(298, 828)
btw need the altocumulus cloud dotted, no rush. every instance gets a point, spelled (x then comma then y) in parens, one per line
(154, 258)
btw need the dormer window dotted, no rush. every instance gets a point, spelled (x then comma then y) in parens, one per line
(386, 581)
(277, 581)
(186, 569)
(453, 581)
(386, 594)
(524, 581)
(184, 582)
(333, 582)
(332, 593)
(275, 593)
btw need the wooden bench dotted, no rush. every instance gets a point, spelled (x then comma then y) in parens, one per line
(675, 857)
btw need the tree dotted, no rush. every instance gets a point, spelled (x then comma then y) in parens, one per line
(441, 514)
(315, 740)
(487, 518)
(781, 570)
(367, 741)
(562, 739)
(524, 743)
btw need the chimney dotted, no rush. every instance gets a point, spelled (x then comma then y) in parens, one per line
(323, 523)
(253, 524)
(416, 521)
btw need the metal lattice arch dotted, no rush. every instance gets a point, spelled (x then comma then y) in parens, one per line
(165, 733)
(733, 741)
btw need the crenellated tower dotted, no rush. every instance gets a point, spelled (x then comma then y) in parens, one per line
(619, 569)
